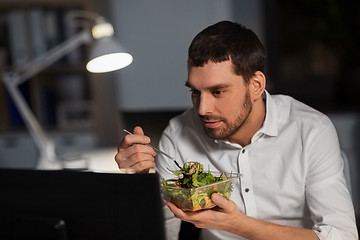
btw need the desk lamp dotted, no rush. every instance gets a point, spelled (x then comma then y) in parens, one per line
(106, 55)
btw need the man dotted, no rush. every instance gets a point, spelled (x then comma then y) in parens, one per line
(292, 184)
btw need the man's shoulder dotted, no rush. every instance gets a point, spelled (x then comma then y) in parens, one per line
(186, 119)
(291, 109)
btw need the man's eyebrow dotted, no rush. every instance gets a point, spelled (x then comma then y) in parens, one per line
(211, 88)
(218, 86)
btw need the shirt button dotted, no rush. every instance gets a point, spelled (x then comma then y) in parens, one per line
(243, 151)
(247, 190)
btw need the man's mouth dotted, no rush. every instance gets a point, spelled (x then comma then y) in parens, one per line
(211, 124)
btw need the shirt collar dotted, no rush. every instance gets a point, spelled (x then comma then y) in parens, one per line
(270, 126)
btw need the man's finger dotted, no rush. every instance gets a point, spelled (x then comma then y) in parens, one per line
(176, 211)
(138, 130)
(134, 139)
(219, 200)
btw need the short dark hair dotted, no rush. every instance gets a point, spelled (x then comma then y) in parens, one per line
(224, 41)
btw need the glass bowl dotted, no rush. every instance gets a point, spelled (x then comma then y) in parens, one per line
(194, 199)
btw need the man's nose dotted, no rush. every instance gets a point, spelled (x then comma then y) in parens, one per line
(205, 105)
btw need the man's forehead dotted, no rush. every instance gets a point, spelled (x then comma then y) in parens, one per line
(212, 75)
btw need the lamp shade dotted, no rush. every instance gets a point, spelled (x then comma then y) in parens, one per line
(107, 55)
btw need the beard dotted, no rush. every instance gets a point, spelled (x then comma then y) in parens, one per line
(231, 127)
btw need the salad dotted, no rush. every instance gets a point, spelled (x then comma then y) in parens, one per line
(193, 188)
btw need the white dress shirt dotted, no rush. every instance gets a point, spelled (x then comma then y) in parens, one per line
(291, 172)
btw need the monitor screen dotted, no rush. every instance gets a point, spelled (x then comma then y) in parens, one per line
(67, 205)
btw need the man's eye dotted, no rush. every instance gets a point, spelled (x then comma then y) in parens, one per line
(218, 92)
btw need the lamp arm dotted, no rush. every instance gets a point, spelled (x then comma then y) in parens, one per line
(13, 79)
(84, 14)
(39, 64)
(43, 143)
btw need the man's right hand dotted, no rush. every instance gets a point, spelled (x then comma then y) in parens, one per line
(134, 153)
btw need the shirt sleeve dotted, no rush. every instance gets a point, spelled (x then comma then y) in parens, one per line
(172, 224)
(326, 190)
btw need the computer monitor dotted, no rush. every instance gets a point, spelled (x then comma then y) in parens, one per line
(41, 204)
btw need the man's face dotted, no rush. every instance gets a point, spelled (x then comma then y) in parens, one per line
(220, 97)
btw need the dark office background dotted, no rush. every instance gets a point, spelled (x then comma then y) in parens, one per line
(313, 49)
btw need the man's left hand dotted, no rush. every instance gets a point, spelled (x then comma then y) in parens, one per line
(222, 217)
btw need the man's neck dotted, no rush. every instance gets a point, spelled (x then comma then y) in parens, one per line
(252, 124)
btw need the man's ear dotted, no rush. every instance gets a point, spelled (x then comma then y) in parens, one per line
(257, 85)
